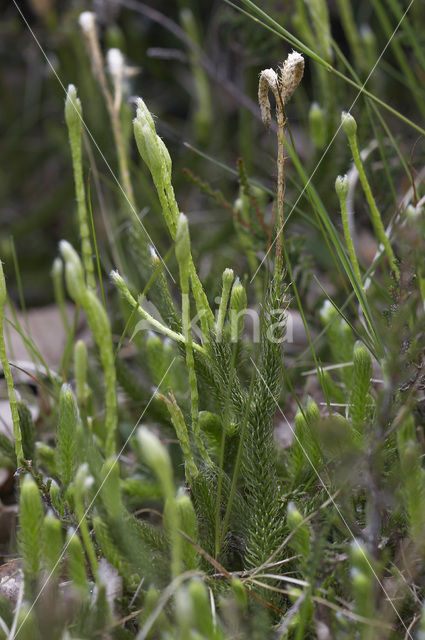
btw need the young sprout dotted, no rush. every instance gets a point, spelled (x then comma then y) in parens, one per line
(74, 121)
(227, 278)
(341, 188)
(350, 128)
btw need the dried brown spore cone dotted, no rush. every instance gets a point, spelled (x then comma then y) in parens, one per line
(282, 85)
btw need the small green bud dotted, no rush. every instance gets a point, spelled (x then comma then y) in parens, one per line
(30, 521)
(362, 359)
(66, 435)
(83, 480)
(143, 114)
(80, 371)
(295, 593)
(154, 152)
(240, 593)
(327, 312)
(227, 278)
(348, 124)
(73, 270)
(211, 426)
(317, 125)
(413, 214)
(182, 240)
(312, 412)
(111, 488)
(238, 302)
(57, 269)
(341, 187)
(73, 111)
(52, 542)
(300, 540)
(152, 149)
(185, 613)
(202, 609)
(166, 158)
(76, 561)
(359, 557)
(361, 583)
(188, 524)
(27, 430)
(156, 458)
(294, 517)
(140, 140)
(55, 497)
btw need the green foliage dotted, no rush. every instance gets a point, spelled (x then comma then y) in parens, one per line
(76, 561)
(195, 529)
(66, 437)
(30, 526)
(27, 430)
(52, 543)
(413, 476)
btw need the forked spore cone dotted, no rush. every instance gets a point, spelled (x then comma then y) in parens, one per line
(283, 87)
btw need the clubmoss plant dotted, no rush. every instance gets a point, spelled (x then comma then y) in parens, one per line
(227, 281)
(67, 436)
(155, 154)
(282, 86)
(82, 485)
(58, 288)
(126, 294)
(76, 561)
(183, 258)
(52, 543)
(237, 310)
(361, 402)
(74, 121)
(7, 373)
(196, 530)
(30, 523)
(80, 372)
(157, 458)
(101, 329)
(87, 21)
(350, 128)
(182, 435)
(363, 581)
(341, 188)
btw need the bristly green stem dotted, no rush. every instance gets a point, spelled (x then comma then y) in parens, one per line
(100, 327)
(225, 293)
(183, 259)
(155, 154)
(74, 121)
(57, 277)
(126, 294)
(7, 373)
(341, 188)
(350, 127)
